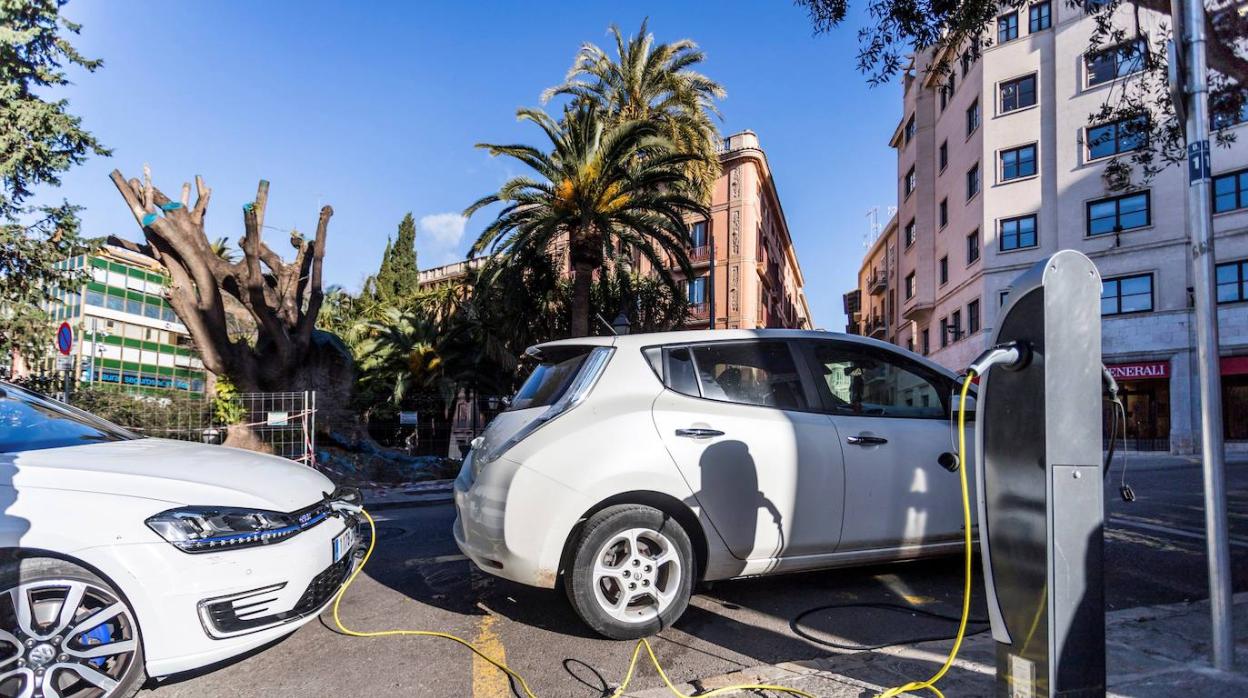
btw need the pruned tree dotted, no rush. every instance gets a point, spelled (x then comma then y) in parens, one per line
(283, 298)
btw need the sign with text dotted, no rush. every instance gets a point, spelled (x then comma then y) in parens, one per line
(1142, 370)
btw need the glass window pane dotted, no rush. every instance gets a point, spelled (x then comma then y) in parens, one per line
(1136, 284)
(1101, 141)
(1136, 302)
(752, 373)
(1102, 217)
(1133, 212)
(1228, 292)
(116, 303)
(875, 383)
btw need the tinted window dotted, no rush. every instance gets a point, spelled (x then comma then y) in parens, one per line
(555, 369)
(751, 373)
(867, 382)
(29, 422)
(681, 376)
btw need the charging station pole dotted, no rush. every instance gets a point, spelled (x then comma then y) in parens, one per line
(1189, 86)
(1040, 494)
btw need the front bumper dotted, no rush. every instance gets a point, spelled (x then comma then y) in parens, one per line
(199, 609)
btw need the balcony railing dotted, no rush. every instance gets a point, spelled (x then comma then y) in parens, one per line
(877, 283)
(875, 326)
(699, 253)
(699, 311)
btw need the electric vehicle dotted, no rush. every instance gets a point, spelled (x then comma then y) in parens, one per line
(124, 557)
(627, 469)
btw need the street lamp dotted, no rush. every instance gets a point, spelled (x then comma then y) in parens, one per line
(620, 325)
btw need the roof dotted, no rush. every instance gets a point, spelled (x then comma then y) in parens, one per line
(640, 341)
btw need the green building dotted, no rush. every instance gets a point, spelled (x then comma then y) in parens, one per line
(125, 332)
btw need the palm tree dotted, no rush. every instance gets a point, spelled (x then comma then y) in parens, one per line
(602, 189)
(649, 82)
(221, 248)
(399, 355)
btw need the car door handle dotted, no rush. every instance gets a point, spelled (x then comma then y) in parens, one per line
(865, 440)
(698, 433)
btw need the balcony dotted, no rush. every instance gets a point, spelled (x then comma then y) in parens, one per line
(877, 283)
(700, 254)
(875, 327)
(699, 312)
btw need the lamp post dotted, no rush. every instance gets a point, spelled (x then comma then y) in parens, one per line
(620, 324)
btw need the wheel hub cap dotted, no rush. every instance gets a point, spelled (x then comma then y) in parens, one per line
(637, 575)
(41, 655)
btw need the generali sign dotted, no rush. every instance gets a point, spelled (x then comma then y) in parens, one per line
(1140, 370)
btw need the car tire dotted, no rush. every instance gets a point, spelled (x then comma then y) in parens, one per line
(74, 660)
(631, 572)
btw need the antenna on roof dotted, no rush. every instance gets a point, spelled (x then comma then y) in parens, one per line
(606, 324)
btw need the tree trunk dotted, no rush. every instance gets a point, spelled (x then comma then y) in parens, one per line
(582, 278)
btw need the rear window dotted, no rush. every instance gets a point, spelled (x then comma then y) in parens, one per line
(750, 373)
(553, 372)
(30, 422)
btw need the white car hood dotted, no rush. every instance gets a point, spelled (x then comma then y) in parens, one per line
(179, 472)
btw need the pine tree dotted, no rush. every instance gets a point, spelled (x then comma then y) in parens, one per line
(40, 140)
(397, 278)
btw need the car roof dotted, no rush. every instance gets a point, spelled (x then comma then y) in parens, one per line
(649, 339)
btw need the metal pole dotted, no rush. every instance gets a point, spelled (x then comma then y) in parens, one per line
(710, 276)
(1200, 228)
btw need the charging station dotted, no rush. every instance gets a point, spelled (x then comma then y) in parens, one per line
(1041, 506)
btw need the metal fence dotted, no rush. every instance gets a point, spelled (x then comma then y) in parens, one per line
(433, 425)
(283, 423)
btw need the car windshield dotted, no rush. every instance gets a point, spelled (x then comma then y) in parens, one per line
(555, 369)
(30, 422)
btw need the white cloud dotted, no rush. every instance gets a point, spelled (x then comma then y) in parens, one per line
(438, 238)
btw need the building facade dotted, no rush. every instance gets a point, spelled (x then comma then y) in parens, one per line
(746, 273)
(999, 167)
(125, 332)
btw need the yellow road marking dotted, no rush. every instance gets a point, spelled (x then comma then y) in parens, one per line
(487, 680)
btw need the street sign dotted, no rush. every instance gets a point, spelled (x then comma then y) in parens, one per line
(64, 363)
(64, 338)
(1199, 169)
(409, 418)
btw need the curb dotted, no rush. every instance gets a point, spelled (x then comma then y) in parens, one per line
(419, 494)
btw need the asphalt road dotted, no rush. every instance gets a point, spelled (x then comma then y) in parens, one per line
(418, 580)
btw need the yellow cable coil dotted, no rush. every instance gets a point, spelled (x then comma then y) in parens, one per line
(930, 684)
(524, 686)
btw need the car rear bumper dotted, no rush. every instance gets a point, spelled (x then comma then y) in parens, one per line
(198, 609)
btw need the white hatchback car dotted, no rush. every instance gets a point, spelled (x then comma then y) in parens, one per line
(125, 557)
(628, 468)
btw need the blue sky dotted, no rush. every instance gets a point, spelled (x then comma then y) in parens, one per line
(375, 109)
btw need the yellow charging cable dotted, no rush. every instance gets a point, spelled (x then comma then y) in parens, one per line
(930, 684)
(524, 686)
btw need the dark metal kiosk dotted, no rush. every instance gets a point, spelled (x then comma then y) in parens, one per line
(1040, 496)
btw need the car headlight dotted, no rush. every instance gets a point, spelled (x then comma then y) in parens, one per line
(200, 529)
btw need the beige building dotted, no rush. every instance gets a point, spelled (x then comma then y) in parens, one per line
(746, 273)
(998, 167)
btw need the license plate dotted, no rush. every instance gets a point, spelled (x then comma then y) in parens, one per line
(344, 543)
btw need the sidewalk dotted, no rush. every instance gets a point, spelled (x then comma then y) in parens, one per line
(1151, 651)
(412, 494)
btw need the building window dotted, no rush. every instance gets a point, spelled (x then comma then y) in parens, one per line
(944, 270)
(972, 117)
(1230, 191)
(695, 290)
(972, 316)
(697, 234)
(1039, 17)
(1018, 162)
(910, 182)
(1018, 94)
(942, 212)
(909, 343)
(1119, 213)
(944, 332)
(1018, 233)
(1232, 279)
(955, 325)
(910, 128)
(972, 247)
(1227, 109)
(909, 233)
(943, 157)
(1007, 27)
(972, 181)
(1127, 294)
(926, 336)
(1002, 297)
(1116, 137)
(909, 288)
(1115, 62)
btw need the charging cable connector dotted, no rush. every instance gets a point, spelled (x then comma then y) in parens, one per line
(1013, 356)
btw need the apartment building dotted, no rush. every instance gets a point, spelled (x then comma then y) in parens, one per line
(125, 331)
(746, 273)
(998, 167)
